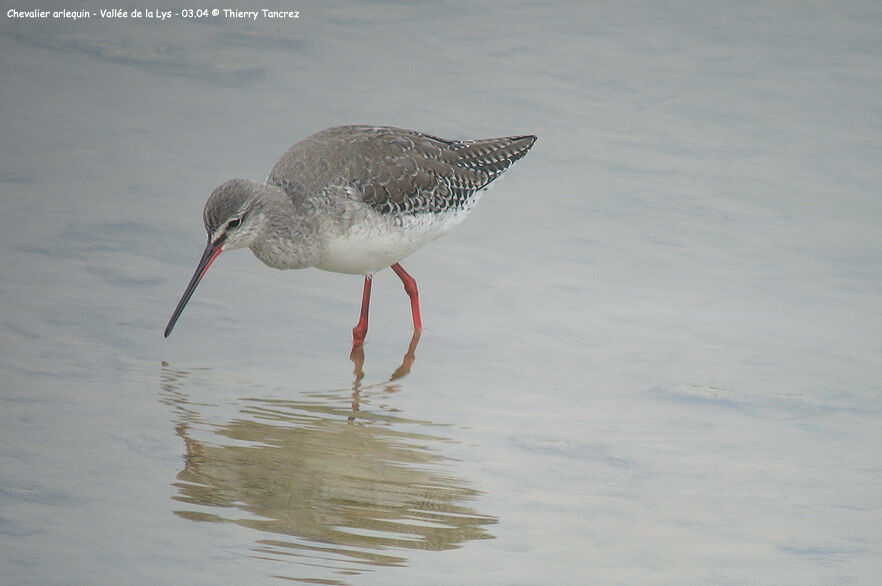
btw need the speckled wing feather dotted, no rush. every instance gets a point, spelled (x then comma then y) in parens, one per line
(395, 171)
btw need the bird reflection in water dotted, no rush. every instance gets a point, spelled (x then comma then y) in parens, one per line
(357, 357)
(342, 484)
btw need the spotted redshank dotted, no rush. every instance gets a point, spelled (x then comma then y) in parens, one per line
(354, 199)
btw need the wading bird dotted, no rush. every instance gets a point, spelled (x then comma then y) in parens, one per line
(354, 199)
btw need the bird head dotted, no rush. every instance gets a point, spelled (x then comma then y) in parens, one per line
(232, 219)
(231, 215)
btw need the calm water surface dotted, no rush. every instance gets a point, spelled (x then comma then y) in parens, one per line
(652, 355)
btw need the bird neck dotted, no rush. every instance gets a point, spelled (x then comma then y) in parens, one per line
(287, 235)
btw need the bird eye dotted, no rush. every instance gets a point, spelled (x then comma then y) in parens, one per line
(233, 223)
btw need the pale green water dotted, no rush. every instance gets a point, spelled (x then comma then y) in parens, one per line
(651, 356)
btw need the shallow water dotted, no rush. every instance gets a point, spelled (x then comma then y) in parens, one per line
(652, 354)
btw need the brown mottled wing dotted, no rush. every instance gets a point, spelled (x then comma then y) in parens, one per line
(394, 170)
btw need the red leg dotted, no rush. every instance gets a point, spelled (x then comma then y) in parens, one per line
(410, 287)
(360, 329)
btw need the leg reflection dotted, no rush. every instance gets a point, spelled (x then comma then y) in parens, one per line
(409, 358)
(357, 357)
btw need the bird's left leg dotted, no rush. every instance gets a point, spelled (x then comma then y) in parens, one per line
(410, 288)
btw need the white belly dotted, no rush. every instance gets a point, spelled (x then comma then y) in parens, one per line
(367, 249)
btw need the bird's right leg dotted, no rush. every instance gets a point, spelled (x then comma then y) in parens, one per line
(360, 330)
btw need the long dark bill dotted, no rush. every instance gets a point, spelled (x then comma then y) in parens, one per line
(211, 252)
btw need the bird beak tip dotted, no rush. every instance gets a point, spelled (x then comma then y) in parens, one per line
(211, 252)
